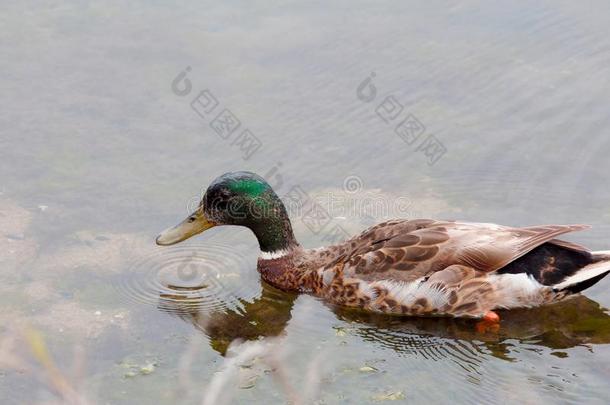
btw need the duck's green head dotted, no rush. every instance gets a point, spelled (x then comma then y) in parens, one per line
(238, 198)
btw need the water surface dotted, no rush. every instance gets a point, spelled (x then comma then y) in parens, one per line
(103, 148)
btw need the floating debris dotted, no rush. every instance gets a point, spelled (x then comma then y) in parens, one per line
(340, 331)
(134, 369)
(368, 369)
(148, 368)
(389, 396)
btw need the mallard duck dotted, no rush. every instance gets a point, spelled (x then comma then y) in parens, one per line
(420, 267)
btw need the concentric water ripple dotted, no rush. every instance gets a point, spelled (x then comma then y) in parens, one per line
(190, 278)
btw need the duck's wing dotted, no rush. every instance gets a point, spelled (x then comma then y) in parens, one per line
(408, 250)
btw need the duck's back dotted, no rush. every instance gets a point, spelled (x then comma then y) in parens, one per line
(454, 268)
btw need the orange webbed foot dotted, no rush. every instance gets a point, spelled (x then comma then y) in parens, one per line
(491, 317)
(489, 323)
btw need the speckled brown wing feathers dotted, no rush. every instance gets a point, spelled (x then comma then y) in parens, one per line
(407, 250)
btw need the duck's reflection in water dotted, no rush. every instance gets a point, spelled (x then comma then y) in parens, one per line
(578, 321)
(266, 315)
(574, 322)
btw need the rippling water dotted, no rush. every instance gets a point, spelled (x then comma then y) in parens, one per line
(190, 277)
(103, 147)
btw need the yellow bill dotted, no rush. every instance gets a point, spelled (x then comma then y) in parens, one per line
(192, 225)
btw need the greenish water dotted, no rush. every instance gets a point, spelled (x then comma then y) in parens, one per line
(104, 144)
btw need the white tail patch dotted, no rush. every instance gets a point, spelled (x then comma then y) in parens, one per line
(516, 290)
(586, 273)
(601, 253)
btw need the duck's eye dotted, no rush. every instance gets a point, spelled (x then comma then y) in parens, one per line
(191, 220)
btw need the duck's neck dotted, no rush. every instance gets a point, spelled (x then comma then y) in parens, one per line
(274, 231)
(278, 247)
